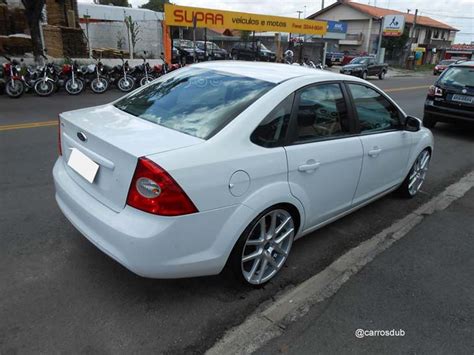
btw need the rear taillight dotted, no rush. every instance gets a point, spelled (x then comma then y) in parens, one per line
(60, 151)
(435, 91)
(153, 190)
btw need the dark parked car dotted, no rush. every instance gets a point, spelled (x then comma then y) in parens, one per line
(441, 66)
(186, 49)
(334, 58)
(451, 98)
(365, 66)
(214, 52)
(252, 51)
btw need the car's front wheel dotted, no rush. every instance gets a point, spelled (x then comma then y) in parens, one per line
(263, 247)
(417, 175)
(364, 75)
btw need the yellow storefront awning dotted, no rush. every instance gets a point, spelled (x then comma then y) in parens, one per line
(186, 16)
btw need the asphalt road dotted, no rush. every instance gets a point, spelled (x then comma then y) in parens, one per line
(58, 293)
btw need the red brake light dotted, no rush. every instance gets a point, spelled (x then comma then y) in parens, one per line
(60, 151)
(153, 190)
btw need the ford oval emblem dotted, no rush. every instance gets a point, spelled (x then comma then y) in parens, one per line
(82, 136)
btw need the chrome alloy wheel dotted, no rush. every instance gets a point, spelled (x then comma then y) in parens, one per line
(418, 172)
(267, 246)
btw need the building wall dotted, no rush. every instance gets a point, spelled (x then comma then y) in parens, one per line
(107, 28)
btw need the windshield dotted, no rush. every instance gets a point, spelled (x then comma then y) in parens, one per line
(195, 101)
(458, 76)
(183, 43)
(263, 48)
(359, 61)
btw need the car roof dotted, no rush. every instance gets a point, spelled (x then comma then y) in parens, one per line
(469, 63)
(271, 72)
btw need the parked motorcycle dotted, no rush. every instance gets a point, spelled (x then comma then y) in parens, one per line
(14, 86)
(47, 81)
(146, 72)
(100, 83)
(73, 84)
(126, 81)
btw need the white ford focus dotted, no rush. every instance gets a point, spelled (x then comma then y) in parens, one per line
(227, 163)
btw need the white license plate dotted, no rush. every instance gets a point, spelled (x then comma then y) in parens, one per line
(83, 165)
(463, 98)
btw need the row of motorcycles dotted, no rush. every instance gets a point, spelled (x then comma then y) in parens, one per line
(46, 79)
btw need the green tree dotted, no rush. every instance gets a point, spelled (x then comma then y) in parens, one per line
(394, 45)
(155, 5)
(113, 2)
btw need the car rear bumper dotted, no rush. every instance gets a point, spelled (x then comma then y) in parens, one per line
(446, 114)
(149, 245)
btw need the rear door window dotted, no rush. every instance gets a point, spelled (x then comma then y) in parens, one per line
(195, 101)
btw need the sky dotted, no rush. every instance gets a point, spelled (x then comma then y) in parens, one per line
(457, 13)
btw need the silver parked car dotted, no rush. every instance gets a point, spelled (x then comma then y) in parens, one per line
(227, 163)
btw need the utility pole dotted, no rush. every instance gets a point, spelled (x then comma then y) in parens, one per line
(379, 44)
(322, 4)
(299, 14)
(413, 36)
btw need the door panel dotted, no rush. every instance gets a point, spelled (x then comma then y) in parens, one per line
(386, 146)
(324, 176)
(385, 159)
(324, 160)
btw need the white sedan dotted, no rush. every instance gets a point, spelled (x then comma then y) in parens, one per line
(227, 163)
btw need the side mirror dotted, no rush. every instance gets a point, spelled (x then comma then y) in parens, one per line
(412, 124)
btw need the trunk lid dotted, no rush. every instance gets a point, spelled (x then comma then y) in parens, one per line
(115, 140)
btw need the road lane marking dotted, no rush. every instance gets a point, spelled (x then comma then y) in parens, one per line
(28, 125)
(407, 88)
(55, 122)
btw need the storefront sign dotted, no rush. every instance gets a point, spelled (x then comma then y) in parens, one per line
(184, 15)
(393, 25)
(337, 27)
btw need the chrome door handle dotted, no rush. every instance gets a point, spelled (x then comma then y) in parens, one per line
(375, 152)
(309, 167)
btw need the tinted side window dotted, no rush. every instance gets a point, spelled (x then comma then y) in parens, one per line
(272, 130)
(375, 112)
(322, 113)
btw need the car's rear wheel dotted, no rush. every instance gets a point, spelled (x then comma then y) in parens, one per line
(263, 247)
(428, 121)
(382, 75)
(417, 175)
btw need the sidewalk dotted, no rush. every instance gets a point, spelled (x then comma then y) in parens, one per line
(423, 285)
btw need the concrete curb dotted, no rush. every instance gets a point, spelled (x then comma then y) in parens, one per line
(264, 325)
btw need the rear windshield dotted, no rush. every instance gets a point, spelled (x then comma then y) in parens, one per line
(447, 62)
(458, 77)
(195, 101)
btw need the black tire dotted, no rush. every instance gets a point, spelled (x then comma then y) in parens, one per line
(429, 121)
(235, 262)
(404, 189)
(17, 90)
(44, 88)
(382, 74)
(74, 90)
(364, 75)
